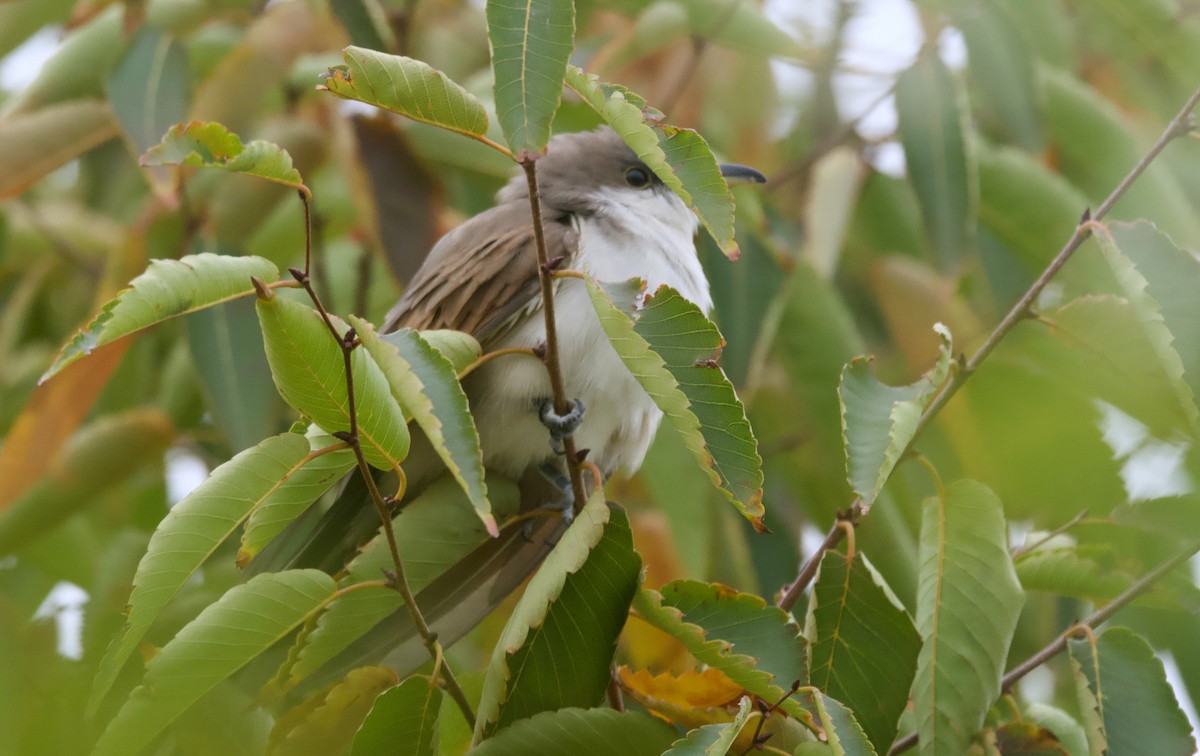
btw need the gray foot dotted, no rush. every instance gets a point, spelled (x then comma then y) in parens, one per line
(560, 426)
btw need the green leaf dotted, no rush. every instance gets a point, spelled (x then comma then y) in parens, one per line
(408, 87)
(878, 421)
(713, 739)
(328, 720)
(1002, 75)
(595, 732)
(167, 288)
(461, 349)
(403, 720)
(863, 645)
(679, 157)
(226, 636)
(1027, 739)
(742, 27)
(842, 731)
(320, 472)
(308, 369)
(531, 42)
(557, 647)
(1070, 571)
(211, 145)
(968, 602)
(933, 115)
(150, 87)
(1068, 731)
(426, 385)
(753, 643)
(1136, 251)
(34, 144)
(671, 349)
(1122, 678)
(191, 533)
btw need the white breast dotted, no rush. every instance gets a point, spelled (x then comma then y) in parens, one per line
(646, 235)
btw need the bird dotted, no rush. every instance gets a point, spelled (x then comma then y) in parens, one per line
(605, 213)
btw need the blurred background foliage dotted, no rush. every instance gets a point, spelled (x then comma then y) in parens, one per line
(921, 176)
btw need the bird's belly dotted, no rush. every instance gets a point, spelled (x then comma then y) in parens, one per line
(620, 418)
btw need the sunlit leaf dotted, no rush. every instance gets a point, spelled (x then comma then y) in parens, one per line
(878, 421)
(967, 608)
(863, 645)
(680, 157)
(596, 732)
(426, 386)
(531, 42)
(227, 635)
(211, 145)
(408, 87)
(556, 649)
(672, 350)
(167, 288)
(309, 371)
(1119, 674)
(403, 720)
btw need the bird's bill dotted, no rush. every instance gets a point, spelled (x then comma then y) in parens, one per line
(738, 174)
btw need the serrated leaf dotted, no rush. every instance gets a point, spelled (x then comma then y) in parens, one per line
(227, 635)
(205, 144)
(595, 732)
(557, 647)
(326, 722)
(309, 372)
(679, 157)
(531, 42)
(932, 125)
(842, 732)
(149, 88)
(403, 720)
(754, 644)
(1137, 708)
(968, 601)
(192, 531)
(304, 486)
(863, 645)
(713, 739)
(1145, 239)
(671, 349)
(167, 288)
(426, 385)
(878, 421)
(408, 87)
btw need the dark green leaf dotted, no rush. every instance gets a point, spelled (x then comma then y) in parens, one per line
(863, 646)
(595, 732)
(557, 647)
(150, 87)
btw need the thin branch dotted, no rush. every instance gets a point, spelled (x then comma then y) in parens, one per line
(553, 366)
(1180, 125)
(398, 580)
(1018, 551)
(1097, 618)
(844, 523)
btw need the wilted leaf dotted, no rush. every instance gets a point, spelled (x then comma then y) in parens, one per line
(691, 699)
(211, 145)
(167, 288)
(878, 421)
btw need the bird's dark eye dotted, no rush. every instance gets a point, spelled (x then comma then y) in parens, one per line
(638, 178)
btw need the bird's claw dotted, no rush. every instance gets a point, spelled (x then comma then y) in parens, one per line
(560, 426)
(565, 503)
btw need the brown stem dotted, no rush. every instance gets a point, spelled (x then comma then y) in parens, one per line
(845, 522)
(1179, 126)
(1055, 647)
(553, 366)
(398, 580)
